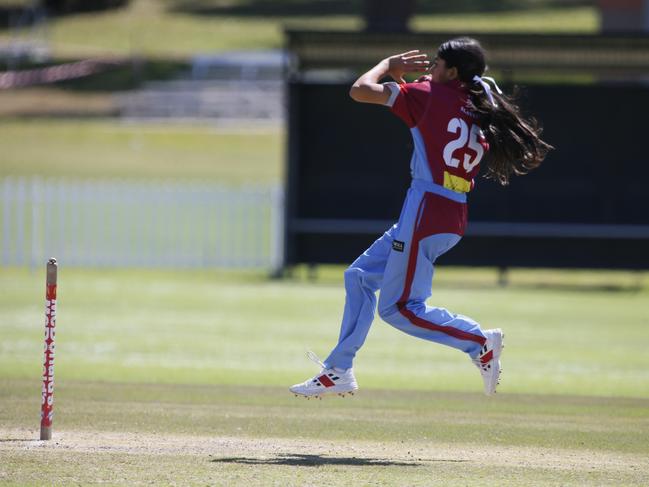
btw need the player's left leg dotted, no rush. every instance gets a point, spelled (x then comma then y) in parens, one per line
(402, 304)
(407, 286)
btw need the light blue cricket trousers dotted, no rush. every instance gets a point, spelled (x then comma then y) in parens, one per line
(404, 277)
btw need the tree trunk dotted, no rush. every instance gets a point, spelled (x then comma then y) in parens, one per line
(388, 15)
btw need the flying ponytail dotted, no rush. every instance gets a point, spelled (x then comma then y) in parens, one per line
(515, 144)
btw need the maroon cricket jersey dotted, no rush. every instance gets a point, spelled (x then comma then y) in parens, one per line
(449, 142)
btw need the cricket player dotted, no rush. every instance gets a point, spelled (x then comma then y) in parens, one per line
(457, 118)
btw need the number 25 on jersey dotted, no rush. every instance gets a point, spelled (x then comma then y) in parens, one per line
(467, 138)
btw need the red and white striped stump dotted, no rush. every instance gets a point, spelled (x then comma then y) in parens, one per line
(47, 402)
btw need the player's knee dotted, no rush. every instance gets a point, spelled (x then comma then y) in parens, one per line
(352, 275)
(387, 309)
(391, 311)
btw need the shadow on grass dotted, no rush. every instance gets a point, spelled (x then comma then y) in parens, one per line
(23, 13)
(310, 8)
(17, 440)
(628, 282)
(577, 288)
(541, 286)
(256, 8)
(305, 460)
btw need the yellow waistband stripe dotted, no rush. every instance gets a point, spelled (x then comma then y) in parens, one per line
(456, 183)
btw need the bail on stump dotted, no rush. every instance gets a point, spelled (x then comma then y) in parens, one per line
(47, 401)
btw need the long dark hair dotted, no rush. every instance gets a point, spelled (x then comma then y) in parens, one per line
(515, 144)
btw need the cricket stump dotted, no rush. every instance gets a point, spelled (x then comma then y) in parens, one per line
(47, 401)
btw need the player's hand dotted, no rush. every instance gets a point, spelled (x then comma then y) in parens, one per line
(407, 62)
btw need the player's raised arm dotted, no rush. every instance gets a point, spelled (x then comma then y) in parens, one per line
(367, 88)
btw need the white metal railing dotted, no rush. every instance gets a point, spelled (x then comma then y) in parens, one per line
(140, 224)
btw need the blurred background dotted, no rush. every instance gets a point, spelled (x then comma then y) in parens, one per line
(165, 133)
(185, 150)
(202, 177)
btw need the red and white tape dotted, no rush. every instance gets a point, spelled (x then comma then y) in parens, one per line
(52, 74)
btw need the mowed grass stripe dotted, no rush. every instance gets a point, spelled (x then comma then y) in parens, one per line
(154, 28)
(309, 443)
(153, 355)
(343, 467)
(206, 327)
(590, 423)
(112, 149)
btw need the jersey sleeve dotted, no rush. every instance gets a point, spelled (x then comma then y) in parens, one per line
(410, 101)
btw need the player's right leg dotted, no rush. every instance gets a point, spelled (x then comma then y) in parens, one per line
(327, 381)
(362, 280)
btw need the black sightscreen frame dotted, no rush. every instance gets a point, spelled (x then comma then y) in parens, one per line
(586, 206)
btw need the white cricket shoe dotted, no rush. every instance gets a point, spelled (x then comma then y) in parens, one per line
(328, 381)
(488, 362)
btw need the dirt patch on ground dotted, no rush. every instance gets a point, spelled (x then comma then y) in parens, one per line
(316, 452)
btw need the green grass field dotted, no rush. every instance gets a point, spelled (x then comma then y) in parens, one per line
(165, 28)
(105, 148)
(180, 378)
(187, 372)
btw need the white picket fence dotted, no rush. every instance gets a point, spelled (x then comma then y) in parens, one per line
(140, 224)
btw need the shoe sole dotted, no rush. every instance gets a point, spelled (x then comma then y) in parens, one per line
(339, 390)
(497, 347)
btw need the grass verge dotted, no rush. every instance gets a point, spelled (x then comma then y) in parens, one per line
(245, 435)
(181, 378)
(212, 328)
(104, 148)
(156, 28)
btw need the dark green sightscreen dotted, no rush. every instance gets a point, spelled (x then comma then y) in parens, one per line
(584, 207)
